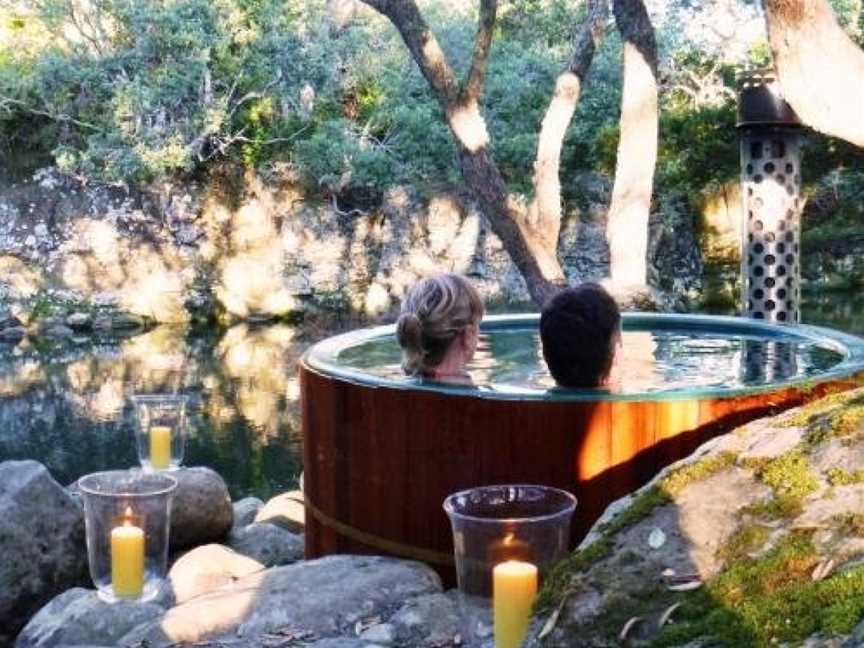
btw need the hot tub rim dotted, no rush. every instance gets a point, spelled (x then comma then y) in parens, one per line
(317, 360)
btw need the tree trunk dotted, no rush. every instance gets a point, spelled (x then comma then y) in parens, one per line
(545, 210)
(627, 227)
(821, 71)
(533, 253)
(530, 235)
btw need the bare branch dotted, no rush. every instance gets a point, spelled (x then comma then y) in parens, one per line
(475, 80)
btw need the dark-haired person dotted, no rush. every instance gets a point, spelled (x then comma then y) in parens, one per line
(580, 330)
(438, 328)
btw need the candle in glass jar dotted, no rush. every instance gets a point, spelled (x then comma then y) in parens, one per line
(127, 559)
(160, 447)
(514, 588)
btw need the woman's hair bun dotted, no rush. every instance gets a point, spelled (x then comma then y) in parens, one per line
(409, 334)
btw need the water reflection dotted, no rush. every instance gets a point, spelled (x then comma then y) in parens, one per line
(71, 409)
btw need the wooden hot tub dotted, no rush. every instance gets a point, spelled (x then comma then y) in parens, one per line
(381, 453)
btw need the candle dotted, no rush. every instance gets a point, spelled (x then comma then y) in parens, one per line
(127, 558)
(514, 588)
(160, 447)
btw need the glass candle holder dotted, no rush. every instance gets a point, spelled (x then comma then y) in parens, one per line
(127, 515)
(162, 430)
(505, 540)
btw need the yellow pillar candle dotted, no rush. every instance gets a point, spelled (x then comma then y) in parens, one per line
(514, 588)
(160, 447)
(127, 560)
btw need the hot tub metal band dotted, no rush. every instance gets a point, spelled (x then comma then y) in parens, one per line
(377, 542)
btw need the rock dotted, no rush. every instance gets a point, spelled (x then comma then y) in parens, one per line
(245, 511)
(267, 543)
(775, 501)
(102, 323)
(14, 334)
(57, 332)
(285, 510)
(326, 597)
(432, 620)
(207, 568)
(42, 536)
(8, 319)
(126, 321)
(188, 234)
(79, 321)
(79, 617)
(381, 633)
(201, 509)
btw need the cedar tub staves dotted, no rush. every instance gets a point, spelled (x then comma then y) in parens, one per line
(381, 452)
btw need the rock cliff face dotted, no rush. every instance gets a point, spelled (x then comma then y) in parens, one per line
(240, 247)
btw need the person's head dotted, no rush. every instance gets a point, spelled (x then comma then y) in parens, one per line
(439, 318)
(579, 329)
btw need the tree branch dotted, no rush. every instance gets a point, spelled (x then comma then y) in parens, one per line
(6, 101)
(821, 70)
(476, 78)
(546, 207)
(424, 48)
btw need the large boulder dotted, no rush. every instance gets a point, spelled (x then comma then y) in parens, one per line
(201, 511)
(245, 511)
(325, 598)
(754, 540)
(207, 568)
(428, 620)
(79, 617)
(269, 544)
(286, 510)
(42, 540)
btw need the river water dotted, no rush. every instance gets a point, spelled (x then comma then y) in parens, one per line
(70, 407)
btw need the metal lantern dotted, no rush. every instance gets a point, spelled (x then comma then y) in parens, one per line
(770, 135)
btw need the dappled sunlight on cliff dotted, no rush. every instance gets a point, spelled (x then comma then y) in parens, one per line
(146, 279)
(251, 275)
(19, 277)
(20, 377)
(260, 364)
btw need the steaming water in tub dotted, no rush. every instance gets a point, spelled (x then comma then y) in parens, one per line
(683, 358)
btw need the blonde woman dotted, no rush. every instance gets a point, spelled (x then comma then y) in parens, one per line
(438, 328)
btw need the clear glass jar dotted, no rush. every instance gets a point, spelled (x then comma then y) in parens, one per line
(127, 515)
(162, 430)
(505, 540)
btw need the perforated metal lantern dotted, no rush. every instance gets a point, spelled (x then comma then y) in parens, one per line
(770, 135)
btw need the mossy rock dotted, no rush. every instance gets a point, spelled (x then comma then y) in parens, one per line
(755, 530)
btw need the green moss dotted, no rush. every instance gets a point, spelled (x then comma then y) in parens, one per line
(559, 579)
(769, 600)
(839, 477)
(676, 480)
(834, 416)
(747, 540)
(663, 492)
(776, 508)
(790, 475)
